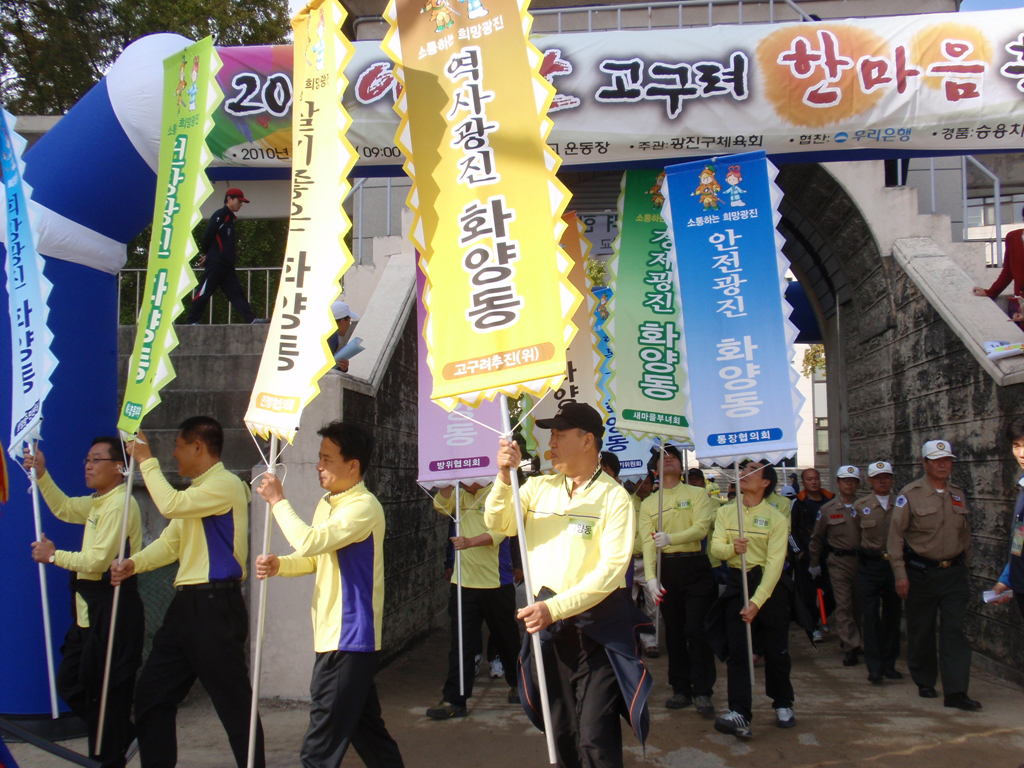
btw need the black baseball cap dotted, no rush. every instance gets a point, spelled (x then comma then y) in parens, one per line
(576, 416)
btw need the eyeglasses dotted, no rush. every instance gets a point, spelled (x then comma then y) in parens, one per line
(89, 462)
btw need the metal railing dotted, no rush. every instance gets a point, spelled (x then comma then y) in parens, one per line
(993, 247)
(260, 285)
(602, 12)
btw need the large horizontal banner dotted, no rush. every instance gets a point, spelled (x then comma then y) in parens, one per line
(932, 82)
(738, 338)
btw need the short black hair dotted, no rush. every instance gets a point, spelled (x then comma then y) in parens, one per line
(610, 460)
(116, 449)
(353, 441)
(694, 472)
(767, 472)
(1015, 429)
(206, 430)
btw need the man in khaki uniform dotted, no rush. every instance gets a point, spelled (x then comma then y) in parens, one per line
(882, 606)
(836, 526)
(930, 552)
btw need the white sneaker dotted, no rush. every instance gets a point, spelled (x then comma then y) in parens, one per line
(496, 669)
(734, 724)
(816, 636)
(784, 717)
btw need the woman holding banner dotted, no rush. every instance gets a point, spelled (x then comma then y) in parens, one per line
(764, 540)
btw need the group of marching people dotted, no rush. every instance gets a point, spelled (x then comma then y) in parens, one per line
(591, 546)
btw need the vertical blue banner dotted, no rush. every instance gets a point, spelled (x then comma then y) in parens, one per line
(27, 289)
(737, 335)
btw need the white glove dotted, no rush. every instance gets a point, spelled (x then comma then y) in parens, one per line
(815, 571)
(662, 539)
(656, 589)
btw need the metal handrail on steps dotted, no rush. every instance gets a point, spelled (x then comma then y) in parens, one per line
(130, 284)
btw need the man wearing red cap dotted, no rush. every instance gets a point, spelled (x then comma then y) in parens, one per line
(218, 255)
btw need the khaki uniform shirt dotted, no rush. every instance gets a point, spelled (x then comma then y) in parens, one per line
(873, 522)
(935, 525)
(836, 525)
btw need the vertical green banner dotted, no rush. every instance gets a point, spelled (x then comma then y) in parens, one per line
(191, 95)
(648, 381)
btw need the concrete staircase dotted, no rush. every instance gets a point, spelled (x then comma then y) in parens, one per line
(216, 366)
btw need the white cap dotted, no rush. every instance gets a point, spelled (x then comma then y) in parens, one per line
(937, 449)
(848, 470)
(341, 311)
(788, 491)
(880, 468)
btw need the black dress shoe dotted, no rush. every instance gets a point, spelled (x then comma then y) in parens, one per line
(851, 659)
(876, 679)
(962, 701)
(892, 674)
(927, 692)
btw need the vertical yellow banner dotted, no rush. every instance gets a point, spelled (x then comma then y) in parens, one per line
(296, 354)
(487, 204)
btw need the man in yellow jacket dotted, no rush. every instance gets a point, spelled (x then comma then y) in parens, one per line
(205, 627)
(344, 548)
(579, 536)
(764, 541)
(83, 655)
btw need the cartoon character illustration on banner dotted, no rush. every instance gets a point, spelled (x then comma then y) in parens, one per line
(440, 14)
(318, 46)
(733, 191)
(655, 192)
(193, 89)
(476, 9)
(181, 84)
(708, 189)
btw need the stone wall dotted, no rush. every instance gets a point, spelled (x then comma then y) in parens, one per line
(898, 375)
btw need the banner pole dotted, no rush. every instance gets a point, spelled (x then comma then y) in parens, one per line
(743, 575)
(254, 707)
(129, 479)
(661, 505)
(542, 681)
(458, 586)
(48, 639)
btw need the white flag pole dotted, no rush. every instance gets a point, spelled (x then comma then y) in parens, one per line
(47, 638)
(113, 609)
(542, 681)
(661, 505)
(458, 585)
(743, 574)
(254, 707)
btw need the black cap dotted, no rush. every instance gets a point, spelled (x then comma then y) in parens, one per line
(576, 416)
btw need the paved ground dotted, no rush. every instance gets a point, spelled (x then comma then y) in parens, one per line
(842, 720)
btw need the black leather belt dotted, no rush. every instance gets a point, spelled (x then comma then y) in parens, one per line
(209, 585)
(873, 554)
(683, 554)
(915, 559)
(843, 552)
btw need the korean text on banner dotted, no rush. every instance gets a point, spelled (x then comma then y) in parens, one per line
(633, 453)
(296, 354)
(27, 289)
(648, 372)
(190, 97)
(451, 447)
(580, 383)
(486, 202)
(737, 333)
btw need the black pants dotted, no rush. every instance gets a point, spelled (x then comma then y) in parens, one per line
(203, 636)
(943, 594)
(585, 699)
(82, 693)
(772, 622)
(497, 607)
(219, 274)
(882, 611)
(690, 590)
(345, 711)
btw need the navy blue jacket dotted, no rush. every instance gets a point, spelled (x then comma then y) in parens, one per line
(218, 241)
